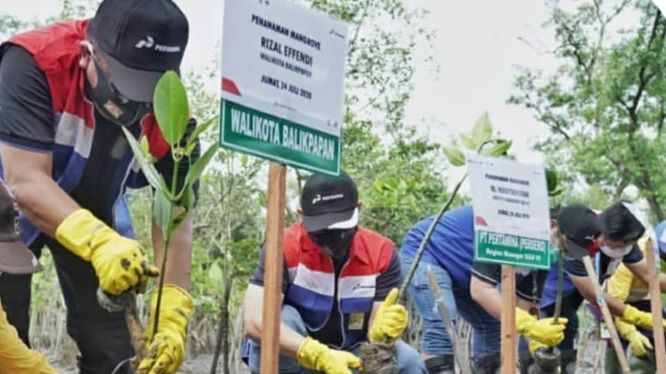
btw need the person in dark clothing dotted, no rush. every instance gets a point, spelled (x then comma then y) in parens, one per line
(610, 239)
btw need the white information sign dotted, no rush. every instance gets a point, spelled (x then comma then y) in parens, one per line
(283, 68)
(511, 215)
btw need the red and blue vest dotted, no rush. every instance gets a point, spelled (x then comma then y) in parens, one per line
(56, 51)
(312, 280)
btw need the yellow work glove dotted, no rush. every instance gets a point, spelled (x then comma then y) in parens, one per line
(544, 331)
(535, 345)
(316, 356)
(166, 350)
(16, 357)
(637, 317)
(638, 342)
(390, 320)
(118, 261)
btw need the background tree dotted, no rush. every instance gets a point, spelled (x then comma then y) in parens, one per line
(606, 103)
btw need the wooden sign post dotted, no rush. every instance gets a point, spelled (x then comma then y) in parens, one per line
(606, 314)
(508, 319)
(283, 109)
(270, 332)
(655, 303)
(511, 228)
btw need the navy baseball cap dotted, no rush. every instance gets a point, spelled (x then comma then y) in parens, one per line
(329, 202)
(141, 40)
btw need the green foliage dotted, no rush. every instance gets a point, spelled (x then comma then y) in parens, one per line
(454, 155)
(476, 141)
(140, 150)
(399, 183)
(482, 130)
(500, 148)
(171, 107)
(605, 105)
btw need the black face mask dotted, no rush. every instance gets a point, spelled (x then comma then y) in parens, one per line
(334, 243)
(111, 104)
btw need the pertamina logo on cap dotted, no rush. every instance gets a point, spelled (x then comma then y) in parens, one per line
(319, 198)
(149, 43)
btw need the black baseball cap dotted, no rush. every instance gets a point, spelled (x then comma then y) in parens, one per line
(15, 257)
(581, 227)
(329, 202)
(141, 39)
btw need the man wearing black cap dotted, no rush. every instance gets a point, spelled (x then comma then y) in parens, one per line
(610, 238)
(66, 91)
(15, 258)
(470, 289)
(339, 287)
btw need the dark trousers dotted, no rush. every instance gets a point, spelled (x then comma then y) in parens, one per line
(102, 337)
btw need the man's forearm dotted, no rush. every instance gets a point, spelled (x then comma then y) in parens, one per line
(290, 340)
(488, 297)
(662, 282)
(615, 306)
(179, 258)
(43, 202)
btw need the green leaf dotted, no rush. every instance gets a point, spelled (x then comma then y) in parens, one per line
(200, 129)
(171, 107)
(551, 180)
(188, 199)
(244, 159)
(469, 142)
(483, 129)
(556, 192)
(500, 148)
(199, 165)
(148, 169)
(162, 212)
(455, 156)
(145, 147)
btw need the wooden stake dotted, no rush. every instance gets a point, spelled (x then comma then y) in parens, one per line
(270, 331)
(605, 312)
(449, 325)
(655, 303)
(508, 319)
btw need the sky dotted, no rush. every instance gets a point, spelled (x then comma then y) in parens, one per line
(479, 43)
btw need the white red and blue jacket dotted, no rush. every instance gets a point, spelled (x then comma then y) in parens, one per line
(56, 51)
(312, 279)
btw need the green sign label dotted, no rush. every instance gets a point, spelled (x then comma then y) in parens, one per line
(267, 136)
(512, 250)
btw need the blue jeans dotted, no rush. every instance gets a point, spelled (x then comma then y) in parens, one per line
(407, 358)
(435, 341)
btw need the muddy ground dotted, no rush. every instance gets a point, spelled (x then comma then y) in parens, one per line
(197, 365)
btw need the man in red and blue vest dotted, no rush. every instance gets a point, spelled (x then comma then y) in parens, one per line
(66, 92)
(339, 287)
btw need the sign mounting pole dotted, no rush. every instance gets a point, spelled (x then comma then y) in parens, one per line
(655, 304)
(270, 332)
(508, 347)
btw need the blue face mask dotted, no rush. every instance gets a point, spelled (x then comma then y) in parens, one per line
(111, 104)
